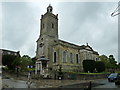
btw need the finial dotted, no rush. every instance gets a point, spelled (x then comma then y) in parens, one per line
(87, 44)
(49, 8)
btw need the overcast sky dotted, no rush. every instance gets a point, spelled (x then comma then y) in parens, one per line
(79, 23)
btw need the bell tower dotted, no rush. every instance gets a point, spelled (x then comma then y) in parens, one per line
(48, 33)
(49, 24)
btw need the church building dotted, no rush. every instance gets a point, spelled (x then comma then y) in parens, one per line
(52, 52)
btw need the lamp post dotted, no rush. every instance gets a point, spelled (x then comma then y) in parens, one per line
(29, 82)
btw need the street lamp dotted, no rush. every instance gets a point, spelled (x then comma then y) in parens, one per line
(29, 82)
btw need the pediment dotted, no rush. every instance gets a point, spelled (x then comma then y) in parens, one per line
(88, 48)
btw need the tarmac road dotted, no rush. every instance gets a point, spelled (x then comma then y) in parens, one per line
(105, 84)
(98, 84)
(12, 83)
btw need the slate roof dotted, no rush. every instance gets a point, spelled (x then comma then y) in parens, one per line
(68, 44)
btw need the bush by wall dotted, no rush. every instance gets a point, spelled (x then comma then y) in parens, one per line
(89, 65)
(100, 66)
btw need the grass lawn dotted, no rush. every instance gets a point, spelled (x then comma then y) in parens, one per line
(88, 73)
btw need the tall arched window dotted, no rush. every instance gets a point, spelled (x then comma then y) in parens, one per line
(77, 59)
(64, 56)
(52, 25)
(71, 58)
(54, 57)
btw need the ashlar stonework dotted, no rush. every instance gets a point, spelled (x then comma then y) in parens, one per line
(52, 52)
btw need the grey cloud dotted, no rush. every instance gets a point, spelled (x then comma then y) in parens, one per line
(79, 23)
(90, 22)
(18, 25)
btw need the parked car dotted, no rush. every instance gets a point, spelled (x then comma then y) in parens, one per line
(113, 77)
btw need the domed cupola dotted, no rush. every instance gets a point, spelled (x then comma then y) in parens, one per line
(49, 8)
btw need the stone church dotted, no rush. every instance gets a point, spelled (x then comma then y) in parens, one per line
(52, 52)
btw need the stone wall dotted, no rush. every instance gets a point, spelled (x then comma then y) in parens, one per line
(69, 76)
(67, 66)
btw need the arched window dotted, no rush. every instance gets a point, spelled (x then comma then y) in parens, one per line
(52, 25)
(77, 59)
(54, 57)
(64, 56)
(71, 58)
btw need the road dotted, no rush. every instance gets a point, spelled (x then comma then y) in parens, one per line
(106, 84)
(96, 85)
(12, 83)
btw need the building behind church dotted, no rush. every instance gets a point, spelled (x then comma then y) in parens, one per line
(52, 52)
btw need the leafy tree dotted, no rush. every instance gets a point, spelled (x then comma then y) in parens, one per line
(119, 66)
(100, 66)
(105, 60)
(26, 56)
(16, 62)
(113, 63)
(89, 65)
(112, 59)
(26, 61)
(8, 60)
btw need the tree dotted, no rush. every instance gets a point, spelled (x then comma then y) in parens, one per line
(8, 60)
(16, 62)
(105, 60)
(100, 66)
(89, 65)
(119, 66)
(112, 61)
(26, 61)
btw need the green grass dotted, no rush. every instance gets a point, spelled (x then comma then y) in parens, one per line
(30, 69)
(87, 73)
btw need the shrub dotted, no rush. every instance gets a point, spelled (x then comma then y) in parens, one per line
(100, 66)
(89, 65)
(8, 60)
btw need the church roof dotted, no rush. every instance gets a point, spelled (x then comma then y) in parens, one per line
(68, 44)
(65, 43)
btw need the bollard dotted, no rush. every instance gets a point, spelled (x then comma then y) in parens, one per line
(90, 85)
